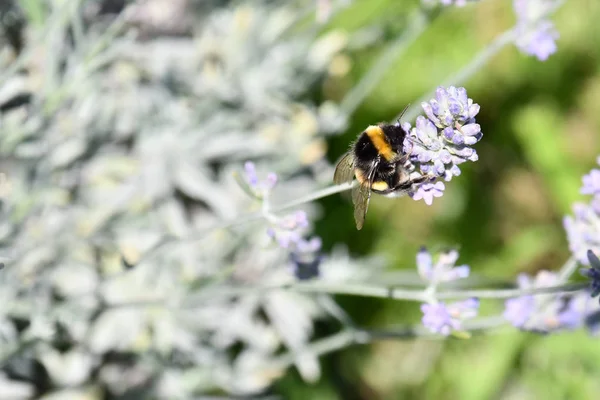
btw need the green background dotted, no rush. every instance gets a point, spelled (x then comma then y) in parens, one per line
(541, 125)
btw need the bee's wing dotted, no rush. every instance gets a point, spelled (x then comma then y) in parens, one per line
(344, 170)
(361, 194)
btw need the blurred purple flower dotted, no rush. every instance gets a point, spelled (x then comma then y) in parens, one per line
(286, 230)
(539, 42)
(583, 227)
(443, 319)
(579, 310)
(545, 312)
(591, 183)
(518, 310)
(427, 191)
(444, 270)
(571, 316)
(309, 246)
(258, 187)
(535, 34)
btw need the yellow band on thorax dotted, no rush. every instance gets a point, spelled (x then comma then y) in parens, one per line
(375, 133)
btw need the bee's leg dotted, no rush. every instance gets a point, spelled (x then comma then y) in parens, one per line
(402, 159)
(408, 184)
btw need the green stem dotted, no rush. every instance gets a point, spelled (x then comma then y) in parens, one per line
(350, 337)
(366, 290)
(502, 40)
(359, 92)
(466, 72)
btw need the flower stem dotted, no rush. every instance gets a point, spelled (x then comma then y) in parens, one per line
(366, 290)
(359, 92)
(350, 337)
(466, 72)
(319, 194)
(502, 40)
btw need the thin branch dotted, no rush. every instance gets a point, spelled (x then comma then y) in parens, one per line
(482, 58)
(350, 337)
(387, 292)
(319, 194)
(466, 72)
(359, 92)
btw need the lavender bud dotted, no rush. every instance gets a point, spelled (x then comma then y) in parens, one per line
(251, 176)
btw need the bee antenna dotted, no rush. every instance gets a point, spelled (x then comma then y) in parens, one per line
(402, 113)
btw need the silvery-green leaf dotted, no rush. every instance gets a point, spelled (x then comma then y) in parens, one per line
(290, 314)
(15, 389)
(308, 366)
(252, 373)
(12, 87)
(116, 329)
(197, 185)
(31, 149)
(174, 217)
(238, 145)
(72, 368)
(67, 152)
(6, 230)
(75, 279)
(121, 378)
(36, 258)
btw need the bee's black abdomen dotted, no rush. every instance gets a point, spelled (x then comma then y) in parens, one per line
(395, 136)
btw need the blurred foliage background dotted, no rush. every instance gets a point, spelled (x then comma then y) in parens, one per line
(541, 125)
(541, 133)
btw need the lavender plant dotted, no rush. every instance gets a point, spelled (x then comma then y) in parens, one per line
(139, 266)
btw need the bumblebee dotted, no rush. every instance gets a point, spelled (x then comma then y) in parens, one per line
(377, 160)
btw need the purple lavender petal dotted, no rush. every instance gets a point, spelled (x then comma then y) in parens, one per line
(251, 176)
(591, 183)
(429, 112)
(437, 319)
(424, 263)
(473, 110)
(271, 181)
(518, 310)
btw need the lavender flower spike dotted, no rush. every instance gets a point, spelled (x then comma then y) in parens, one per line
(445, 318)
(260, 188)
(441, 141)
(543, 312)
